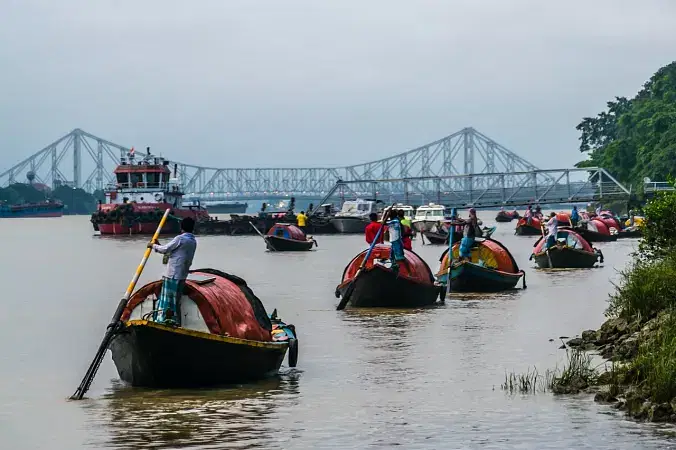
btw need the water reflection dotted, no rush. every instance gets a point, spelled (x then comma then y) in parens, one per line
(145, 418)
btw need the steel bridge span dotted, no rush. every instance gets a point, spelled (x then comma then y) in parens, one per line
(464, 168)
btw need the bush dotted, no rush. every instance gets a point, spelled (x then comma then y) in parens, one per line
(654, 369)
(659, 232)
(647, 288)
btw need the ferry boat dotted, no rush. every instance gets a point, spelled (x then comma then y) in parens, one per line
(427, 216)
(354, 216)
(43, 209)
(144, 189)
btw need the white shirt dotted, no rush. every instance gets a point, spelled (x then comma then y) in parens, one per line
(552, 225)
(181, 251)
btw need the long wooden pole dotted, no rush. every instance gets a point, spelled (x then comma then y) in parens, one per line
(115, 322)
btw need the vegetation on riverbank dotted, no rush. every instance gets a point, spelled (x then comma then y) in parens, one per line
(76, 201)
(635, 138)
(639, 336)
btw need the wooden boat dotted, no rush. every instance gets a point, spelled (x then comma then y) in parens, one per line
(379, 286)
(491, 268)
(505, 216)
(534, 228)
(284, 237)
(441, 237)
(631, 232)
(225, 336)
(595, 230)
(571, 251)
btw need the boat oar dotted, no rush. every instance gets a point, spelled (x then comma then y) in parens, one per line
(257, 231)
(115, 322)
(350, 288)
(549, 259)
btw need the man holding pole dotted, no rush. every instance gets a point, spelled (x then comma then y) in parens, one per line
(179, 254)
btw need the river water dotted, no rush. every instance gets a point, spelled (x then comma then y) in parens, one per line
(365, 379)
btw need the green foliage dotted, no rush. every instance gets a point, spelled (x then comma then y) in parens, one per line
(578, 373)
(635, 137)
(659, 231)
(654, 368)
(647, 288)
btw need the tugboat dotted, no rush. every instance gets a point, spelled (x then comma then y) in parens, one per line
(144, 189)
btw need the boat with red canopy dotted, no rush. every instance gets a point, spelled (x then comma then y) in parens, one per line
(571, 251)
(380, 286)
(595, 230)
(225, 336)
(490, 268)
(534, 228)
(284, 237)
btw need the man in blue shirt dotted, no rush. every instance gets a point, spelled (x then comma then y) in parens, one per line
(179, 255)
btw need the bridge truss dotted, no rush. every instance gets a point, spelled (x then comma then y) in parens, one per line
(85, 161)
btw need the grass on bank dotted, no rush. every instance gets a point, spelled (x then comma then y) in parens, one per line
(647, 287)
(578, 373)
(653, 370)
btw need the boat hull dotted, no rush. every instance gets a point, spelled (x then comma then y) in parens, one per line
(280, 244)
(469, 277)
(630, 234)
(525, 230)
(228, 208)
(379, 287)
(594, 236)
(440, 238)
(566, 258)
(138, 228)
(30, 211)
(349, 225)
(147, 354)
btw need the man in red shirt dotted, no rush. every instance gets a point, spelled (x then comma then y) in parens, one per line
(372, 229)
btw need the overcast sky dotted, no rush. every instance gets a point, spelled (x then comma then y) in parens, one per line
(308, 83)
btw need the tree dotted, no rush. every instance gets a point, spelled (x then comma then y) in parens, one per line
(635, 138)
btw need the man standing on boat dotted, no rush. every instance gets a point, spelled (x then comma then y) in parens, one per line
(469, 232)
(552, 230)
(301, 219)
(406, 230)
(179, 254)
(372, 229)
(574, 217)
(395, 237)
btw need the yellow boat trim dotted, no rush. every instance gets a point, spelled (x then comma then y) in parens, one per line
(202, 335)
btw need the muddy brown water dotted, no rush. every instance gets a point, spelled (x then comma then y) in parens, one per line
(366, 379)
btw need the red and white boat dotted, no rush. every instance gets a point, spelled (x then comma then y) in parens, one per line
(144, 189)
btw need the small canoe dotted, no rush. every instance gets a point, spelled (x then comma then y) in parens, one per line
(572, 251)
(379, 286)
(440, 238)
(225, 336)
(284, 237)
(631, 232)
(491, 268)
(504, 216)
(534, 229)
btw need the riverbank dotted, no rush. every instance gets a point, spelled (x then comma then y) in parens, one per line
(639, 337)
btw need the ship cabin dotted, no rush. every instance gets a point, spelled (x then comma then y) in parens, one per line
(144, 180)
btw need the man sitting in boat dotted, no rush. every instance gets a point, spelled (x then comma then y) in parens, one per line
(179, 255)
(300, 220)
(538, 212)
(552, 230)
(372, 229)
(406, 230)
